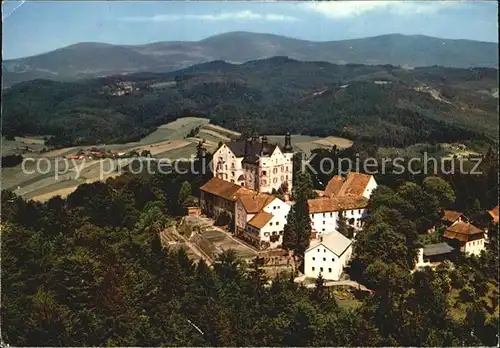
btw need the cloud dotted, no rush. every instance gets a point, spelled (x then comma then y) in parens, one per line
(345, 9)
(223, 16)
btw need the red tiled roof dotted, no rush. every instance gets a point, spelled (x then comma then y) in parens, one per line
(355, 184)
(323, 205)
(224, 189)
(451, 215)
(260, 220)
(254, 202)
(462, 231)
(334, 186)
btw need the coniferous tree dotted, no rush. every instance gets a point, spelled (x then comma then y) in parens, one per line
(290, 231)
(302, 192)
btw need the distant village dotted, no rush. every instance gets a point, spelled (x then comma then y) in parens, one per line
(252, 186)
(94, 154)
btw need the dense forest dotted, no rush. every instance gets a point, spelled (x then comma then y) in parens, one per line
(91, 270)
(383, 105)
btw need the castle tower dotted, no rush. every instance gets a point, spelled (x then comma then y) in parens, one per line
(288, 143)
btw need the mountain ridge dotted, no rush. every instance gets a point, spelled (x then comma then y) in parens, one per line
(95, 59)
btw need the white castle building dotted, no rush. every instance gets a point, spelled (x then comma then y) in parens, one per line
(256, 164)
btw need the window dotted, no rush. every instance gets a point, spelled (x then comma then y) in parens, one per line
(333, 259)
(313, 269)
(277, 223)
(329, 270)
(323, 214)
(314, 258)
(323, 222)
(331, 214)
(270, 224)
(264, 173)
(318, 250)
(324, 250)
(321, 269)
(323, 230)
(324, 258)
(226, 166)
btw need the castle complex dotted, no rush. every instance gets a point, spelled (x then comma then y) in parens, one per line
(256, 164)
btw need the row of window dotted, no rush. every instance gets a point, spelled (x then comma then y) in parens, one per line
(321, 269)
(351, 212)
(277, 223)
(350, 221)
(275, 180)
(324, 259)
(274, 233)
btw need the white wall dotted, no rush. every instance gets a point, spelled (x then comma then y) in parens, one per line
(231, 166)
(321, 258)
(278, 169)
(474, 247)
(274, 227)
(278, 208)
(372, 185)
(325, 223)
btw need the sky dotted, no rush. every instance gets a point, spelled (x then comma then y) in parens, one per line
(34, 27)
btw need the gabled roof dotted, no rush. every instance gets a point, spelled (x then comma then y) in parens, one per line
(334, 185)
(224, 189)
(254, 202)
(437, 249)
(451, 215)
(355, 184)
(326, 204)
(336, 242)
(260, 220)
(494, 214)
(462, 231)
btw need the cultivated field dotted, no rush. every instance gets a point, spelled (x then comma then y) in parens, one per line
(168, 141)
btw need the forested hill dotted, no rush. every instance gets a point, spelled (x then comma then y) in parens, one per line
(99, 59)
(385, 105)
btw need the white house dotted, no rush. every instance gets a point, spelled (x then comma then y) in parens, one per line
(470, 238)
(261, 219)
(348, 196)
(327, 255)
(324, 212)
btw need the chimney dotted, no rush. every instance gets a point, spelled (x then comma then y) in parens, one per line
(288, 142)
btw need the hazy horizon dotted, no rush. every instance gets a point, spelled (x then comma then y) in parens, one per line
(33, 28)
